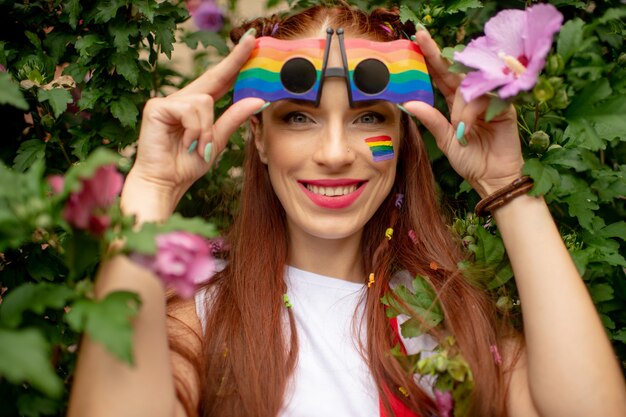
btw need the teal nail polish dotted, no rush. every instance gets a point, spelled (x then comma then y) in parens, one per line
(249, 32)
(460, 134)
(265, 106)
(401, 107)
(207, 151)
(413, 36)
(192, 147)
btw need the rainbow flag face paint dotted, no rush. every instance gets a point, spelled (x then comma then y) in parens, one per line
(280, 69)
(381, 147)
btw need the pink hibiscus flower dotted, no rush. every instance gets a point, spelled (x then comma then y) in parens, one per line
(512, 53)
(182, 261)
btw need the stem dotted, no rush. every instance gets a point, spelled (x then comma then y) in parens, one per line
(65, 154)
(536, 117)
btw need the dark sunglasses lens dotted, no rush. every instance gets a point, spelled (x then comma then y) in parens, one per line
(371, 76)
(298, 75)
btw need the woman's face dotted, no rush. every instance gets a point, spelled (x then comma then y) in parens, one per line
(331, 166)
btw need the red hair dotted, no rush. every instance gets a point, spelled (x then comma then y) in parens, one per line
(248, 355)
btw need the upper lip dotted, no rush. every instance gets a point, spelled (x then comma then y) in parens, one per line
(335, 182)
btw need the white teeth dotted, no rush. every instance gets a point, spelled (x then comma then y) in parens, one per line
(331, 191)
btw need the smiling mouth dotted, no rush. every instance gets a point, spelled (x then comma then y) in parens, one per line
(332, 191)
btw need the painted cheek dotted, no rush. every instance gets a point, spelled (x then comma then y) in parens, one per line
(381, 148)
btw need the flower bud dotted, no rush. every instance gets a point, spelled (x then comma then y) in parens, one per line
(555, 64)
(560, 100)
(556, 82)
(543, 91)
(504, 303)
(539, 142)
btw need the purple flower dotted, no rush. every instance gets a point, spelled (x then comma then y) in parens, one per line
(182, 261)
(208, 16)
(512, 53)
(86, 208)
(445, 404)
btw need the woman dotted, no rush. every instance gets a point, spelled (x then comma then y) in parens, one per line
(244, 349)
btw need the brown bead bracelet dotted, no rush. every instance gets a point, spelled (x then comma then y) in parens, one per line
(504, 195)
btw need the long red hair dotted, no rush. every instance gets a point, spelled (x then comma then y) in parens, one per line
(250, 345)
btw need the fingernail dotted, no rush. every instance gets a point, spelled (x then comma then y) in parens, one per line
(265, 106)
(192, 147)
(401, 107)
(249, 32)
(460, 134)
(419, 27)
(207, 151)
(413, 37)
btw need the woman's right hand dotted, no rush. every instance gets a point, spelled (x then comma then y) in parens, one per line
(180, 140)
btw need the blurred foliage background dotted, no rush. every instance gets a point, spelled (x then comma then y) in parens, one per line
(74, 76)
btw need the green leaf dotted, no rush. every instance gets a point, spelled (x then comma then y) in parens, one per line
(407, 14)
(73, 9)
(620, 336)
(591, 94)
(501, 277)
(107, 10)
(617, 229)
(126, 65)
(601, 293)
(582, 204)
(24, 357)
(496, 107)
(489, 250)
(570, 38)
(462, 6)
(544, 176)
(29, 152)
(89, 97)
(108, 321)
(10, 92)
(121, 32)
(32, 297)
(164, 35)
(58, 98)
(576, 158)
(125, 111)
(89, 46)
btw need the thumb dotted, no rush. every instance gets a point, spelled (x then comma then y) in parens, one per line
(234, 117)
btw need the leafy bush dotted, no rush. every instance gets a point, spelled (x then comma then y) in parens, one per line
(75, 74)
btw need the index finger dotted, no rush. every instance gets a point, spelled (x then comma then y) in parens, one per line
(446, 81)
(219, 79)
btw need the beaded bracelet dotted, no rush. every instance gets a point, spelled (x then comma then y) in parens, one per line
(504, 195)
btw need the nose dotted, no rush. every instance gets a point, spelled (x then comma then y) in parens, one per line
(333, 150)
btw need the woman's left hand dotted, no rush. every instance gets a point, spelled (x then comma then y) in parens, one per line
(492, 157)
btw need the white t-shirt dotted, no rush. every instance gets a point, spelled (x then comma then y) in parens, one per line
(331, 377)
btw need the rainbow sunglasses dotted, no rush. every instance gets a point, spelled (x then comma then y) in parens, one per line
(295, 69)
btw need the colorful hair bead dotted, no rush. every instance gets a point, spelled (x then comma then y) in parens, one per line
(389, 233)
(399, 200)
(371, 280)
(286, 301)
(404, 391)
(413, 236)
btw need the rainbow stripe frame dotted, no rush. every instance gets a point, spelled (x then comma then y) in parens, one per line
(260, 76)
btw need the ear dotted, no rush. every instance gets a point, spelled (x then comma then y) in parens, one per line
(259, 142)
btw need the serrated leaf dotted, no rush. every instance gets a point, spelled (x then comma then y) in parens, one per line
(58, 98)
(489, 249)
(125, 111)
(587, 97)
(569, 157)
(28, 153)
(620, 336)
(126, 65)
(462, 6)
(89, 97)
(164, 35)
(10, 92)
(206, 38)
(582, 205)
(501, 277)
(73, 9)
(24, 357)
(107, 10)
(32, 297)
(601, 293)
(570, 38)
(121, 32)
(448, 52)
(617, 229)
(407, 14)
(108, 321)
(89, 46)
(544, 176)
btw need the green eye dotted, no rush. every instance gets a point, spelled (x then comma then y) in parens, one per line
(371, 118)
(297, 118)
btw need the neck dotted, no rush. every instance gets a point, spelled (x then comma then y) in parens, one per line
(337, 258)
